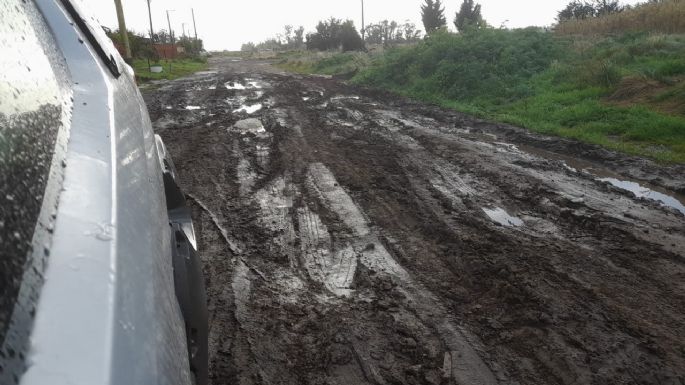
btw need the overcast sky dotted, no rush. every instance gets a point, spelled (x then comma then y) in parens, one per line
(226, 24)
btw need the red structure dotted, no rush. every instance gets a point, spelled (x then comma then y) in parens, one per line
(169, 51)
(164, 51)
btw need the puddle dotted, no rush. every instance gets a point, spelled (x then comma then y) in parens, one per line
(250, 125)
(250, 109)
(236, 102)
(640, 189)
(234, 86)
(201, 73)
(249, 84)
(253, 84)
(508, 146)
(500, 216)
(342, 97)
(193, 108)
(644, 192)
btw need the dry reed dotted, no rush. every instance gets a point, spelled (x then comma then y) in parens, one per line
(665, 17)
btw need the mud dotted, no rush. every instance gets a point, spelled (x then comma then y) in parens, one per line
(350, 236)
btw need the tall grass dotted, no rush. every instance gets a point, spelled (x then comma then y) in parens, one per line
(173, 69)
(667, 16)
(326, 63)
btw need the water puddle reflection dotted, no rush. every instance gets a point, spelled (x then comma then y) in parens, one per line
(640, 189)
(234, 86)
(500, 216)
(644, 192)
(250, 109)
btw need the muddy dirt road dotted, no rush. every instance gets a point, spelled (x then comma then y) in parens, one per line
(353, 237)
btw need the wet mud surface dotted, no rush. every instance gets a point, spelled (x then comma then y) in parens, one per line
(353, 237)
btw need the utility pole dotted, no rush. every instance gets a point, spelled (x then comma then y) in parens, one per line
(183, 25)
(123, 32)
(152, 34)
(197, 48)
(171, 35)
(168, 20)
(194, 25)
(363, 26)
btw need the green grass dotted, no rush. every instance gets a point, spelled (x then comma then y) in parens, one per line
(173, 69)
(554, 85)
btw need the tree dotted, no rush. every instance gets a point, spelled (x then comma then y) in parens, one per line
(433, 16)
(469, 17)
(576, 10)
(606, 7)
(140, 44)
(335, 34)
(388, 33)
(299, 37)
(350, 40)
(288, 35)
(162, 37)
(249, 47)
(410, 32)
(580, 10)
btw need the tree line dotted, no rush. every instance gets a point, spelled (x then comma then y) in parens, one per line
(468, 17)
(142, 49)
(338, 34)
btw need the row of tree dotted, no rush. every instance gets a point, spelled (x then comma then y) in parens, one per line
(579, 10)
(335, 34)
(338, 34)
(468, 17)
(291, 38)
(142, 49)
(391, 32)
(586, 9)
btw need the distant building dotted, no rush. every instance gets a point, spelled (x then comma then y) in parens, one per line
(169, 51)
(164, 51)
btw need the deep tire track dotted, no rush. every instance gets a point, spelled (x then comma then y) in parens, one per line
(588, 290)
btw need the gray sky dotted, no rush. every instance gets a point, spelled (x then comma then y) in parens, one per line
(227, 24)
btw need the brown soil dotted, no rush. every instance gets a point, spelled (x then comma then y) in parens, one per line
(345, 240)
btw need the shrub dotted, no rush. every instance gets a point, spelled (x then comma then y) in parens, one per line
(486, 63)
(667, 16)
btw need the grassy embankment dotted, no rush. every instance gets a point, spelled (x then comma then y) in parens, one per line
(324, 63)
(624, 91)
(173, 69)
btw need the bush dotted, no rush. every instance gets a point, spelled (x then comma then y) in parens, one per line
(335, 34)
(488, 63)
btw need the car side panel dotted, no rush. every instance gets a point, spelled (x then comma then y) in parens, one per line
(107, 313)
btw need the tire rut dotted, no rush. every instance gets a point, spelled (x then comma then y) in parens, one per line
(346, 240)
